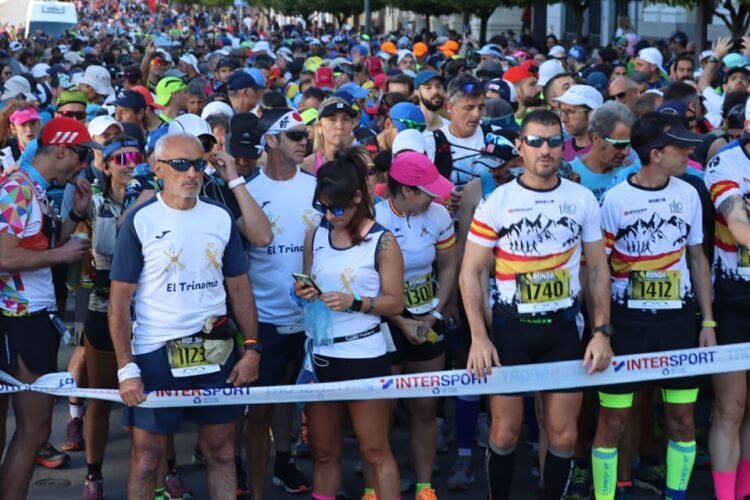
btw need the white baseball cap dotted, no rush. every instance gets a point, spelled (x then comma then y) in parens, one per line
(191, 60)
(15, 86)
(190, 124)
(548, 70)
(98, 77)
(217, 108)
(262, 46)
(582, 95)
(490, 49)
(557, 51)
(40, 70)
(15, 46)
(403, 53)
(73, 57)
(409, 140)
(652, 56)
(98, 125)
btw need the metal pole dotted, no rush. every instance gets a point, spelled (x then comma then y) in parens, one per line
(367, 17)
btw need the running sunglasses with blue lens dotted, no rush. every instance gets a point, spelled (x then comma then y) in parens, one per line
(323, 208)
(536, 141)
(182, 165)
(411, 124)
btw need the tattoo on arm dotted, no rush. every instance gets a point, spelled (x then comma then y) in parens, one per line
(385, 241)
(728, 205)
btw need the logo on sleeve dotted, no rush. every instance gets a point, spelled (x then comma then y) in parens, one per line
(163, 234)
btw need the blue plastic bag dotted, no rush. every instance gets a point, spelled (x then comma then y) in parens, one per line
(317, 318)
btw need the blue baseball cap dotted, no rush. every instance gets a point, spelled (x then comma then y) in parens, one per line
(676, 108)
(424, 77)
(258, 76)
(131, 99)
(578, 53)
(355, 90)
(241, 80)
(406, 112)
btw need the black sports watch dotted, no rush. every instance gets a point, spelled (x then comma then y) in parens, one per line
(605, 330)
(254, 347)
(356, 304)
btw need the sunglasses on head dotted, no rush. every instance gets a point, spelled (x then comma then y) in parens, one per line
(471, 87)
(411, 124)
(296, 135)
(323, 209)
(619, 96)
(76, 115)
(182, 165)
(536, 141)
(618, 143)
(126, 158)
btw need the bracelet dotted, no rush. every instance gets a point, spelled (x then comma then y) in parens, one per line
(76, 217)
(708, 323)
(239, 181)
(249, 342)
(372, 305)
(128, 371)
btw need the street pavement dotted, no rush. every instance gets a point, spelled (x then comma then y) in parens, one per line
(67, 482)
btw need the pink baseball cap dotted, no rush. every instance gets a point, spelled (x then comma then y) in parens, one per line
(416, 170)
(23, 115)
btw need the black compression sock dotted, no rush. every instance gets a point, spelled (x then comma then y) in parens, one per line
(499, 471)
(283, 458)
(556, 472)
(94, 470)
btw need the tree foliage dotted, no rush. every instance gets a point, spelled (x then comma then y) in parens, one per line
(736, 17)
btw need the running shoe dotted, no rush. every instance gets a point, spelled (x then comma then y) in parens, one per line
(175, 488)
(74, 435)
(198, 458)
(624, 493)
(650, 478)
(581, 484)
(290, 478)
(463, 476)
(93, 488)
(370, 495)
(47, 456)
(426, 493)
(482, 433)
(443, 435)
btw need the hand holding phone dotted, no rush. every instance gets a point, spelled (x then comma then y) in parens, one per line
(305, 287)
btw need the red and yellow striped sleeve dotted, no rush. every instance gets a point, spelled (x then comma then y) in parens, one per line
(718, 189)
(447, 243)
(482, 231)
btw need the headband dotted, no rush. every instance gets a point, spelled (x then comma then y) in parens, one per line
(290, 120)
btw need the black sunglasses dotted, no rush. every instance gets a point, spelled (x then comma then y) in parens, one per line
(296, 135)
(182, 165)
(323, 208)
(536, 141)
(472, 87)
(619, 96)
(85, 155)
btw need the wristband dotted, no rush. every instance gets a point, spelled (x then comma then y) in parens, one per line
(708, 323)
(436, 315)
(76, 217)
(128, 371)
(249, 341)
(239, 181)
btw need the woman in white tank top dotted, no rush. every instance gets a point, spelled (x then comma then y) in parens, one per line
(358, 266)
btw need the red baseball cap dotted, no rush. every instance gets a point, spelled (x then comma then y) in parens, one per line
(518, 73)
(324, 78)
(416, 170)
(380, 80)
(148, 96)
(373, 66)
(67, 132)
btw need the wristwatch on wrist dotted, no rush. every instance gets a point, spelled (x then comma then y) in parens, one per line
(254, 347)
(605, 330)
(76, 217)
(713, 59)
(356, 304)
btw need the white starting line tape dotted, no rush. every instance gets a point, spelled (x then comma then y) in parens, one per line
(504, 380)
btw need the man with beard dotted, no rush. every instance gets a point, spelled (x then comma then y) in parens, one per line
(683, 68)
(527, 90)
(649, 64)
(431, 93)
(575, 106)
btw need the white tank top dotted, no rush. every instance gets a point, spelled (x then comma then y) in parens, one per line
(349, 270)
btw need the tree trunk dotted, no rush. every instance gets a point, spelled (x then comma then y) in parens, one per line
(427, 22)
(539, 25)
(483, 21)
(578, 16)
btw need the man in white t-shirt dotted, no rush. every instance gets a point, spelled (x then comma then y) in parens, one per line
(285, 193)
(183, 256)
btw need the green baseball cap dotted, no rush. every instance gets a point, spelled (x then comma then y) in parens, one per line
(166, 87)
(73, 95)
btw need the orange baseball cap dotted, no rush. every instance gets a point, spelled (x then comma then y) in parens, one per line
(420, 49)
(389, 47)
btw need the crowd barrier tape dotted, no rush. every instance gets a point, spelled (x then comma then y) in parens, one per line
(503, 380)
